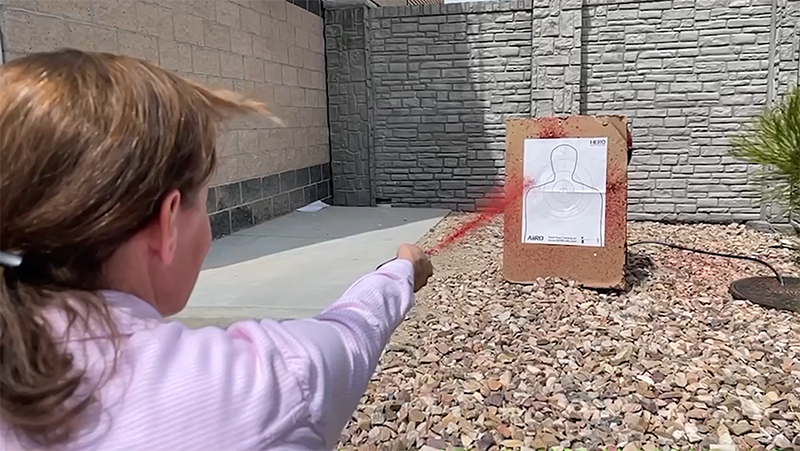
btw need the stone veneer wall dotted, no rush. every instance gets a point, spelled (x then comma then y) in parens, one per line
(690, 73)
(350, 105)
(426, 129)
(269, 50)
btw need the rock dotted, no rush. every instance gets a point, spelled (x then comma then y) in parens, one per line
(637, 421)
(751, 410)
(486, 441)
(622, 356)
(538, 443)
(495, 399)
(770, 398)
(723, 435)
(428, 448)
(511, 444)
(668, 361)
(692, 433)
(437, 443)
(544, 441)
(430, 358)
(559, 400)
(697, 414)
(494, 384)
(379, 434)
(741, 428)
(504, 431)
(416, 416)
(781, 442)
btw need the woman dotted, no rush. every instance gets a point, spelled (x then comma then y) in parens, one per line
(105, 161)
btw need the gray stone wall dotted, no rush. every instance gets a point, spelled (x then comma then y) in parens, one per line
(788, 72)
(349, 105)
(788, 45)
(688, 73)
(557, 57)
(444, 85)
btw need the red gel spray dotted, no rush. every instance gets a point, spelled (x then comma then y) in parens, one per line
(497, 205)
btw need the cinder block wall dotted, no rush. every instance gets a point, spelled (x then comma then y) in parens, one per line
(271, 50)
(442, 80)
(690, 73)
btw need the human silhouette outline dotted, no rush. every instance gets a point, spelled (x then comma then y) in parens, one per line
(569, 153)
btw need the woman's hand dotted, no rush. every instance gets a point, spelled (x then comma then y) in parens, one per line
(423, 269)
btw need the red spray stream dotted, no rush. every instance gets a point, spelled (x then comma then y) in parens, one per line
(550, 127)
(497, 205)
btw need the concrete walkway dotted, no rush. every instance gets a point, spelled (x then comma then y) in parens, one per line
(296, 265)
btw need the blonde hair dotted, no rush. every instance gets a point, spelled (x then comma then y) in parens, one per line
(91, 143)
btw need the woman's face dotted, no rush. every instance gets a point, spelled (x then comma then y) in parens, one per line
(192, 242)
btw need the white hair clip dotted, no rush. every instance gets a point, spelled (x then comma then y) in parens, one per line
(10, 260)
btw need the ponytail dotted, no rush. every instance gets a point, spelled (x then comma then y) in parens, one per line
(38, 381)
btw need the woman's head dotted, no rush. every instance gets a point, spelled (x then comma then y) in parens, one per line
(105, 161)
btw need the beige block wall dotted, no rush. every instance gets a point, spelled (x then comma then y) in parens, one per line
(270, 50)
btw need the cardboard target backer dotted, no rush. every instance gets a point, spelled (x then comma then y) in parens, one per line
(570, 220)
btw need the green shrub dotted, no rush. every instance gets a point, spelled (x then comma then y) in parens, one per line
(772, 140)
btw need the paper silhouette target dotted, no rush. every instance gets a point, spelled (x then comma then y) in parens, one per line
(566, 203)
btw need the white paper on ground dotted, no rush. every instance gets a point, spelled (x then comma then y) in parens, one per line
(313, 207)
(566, 203)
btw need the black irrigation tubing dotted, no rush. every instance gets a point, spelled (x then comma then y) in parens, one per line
(716, 254)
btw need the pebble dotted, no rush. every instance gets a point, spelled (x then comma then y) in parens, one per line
(671, 363)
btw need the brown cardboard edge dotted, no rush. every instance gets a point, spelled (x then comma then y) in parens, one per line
(622, 134)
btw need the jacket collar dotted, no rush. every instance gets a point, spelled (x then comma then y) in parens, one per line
(130, 305)
(130, 314)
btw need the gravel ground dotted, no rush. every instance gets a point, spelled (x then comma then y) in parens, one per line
(672, 363)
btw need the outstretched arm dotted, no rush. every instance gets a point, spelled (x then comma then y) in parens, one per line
(265, 385)
(342, 345)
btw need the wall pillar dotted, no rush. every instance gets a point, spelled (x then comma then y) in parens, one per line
(350, 105)
(784, 65)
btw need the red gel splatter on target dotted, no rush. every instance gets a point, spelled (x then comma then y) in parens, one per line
(499, 200)
(616, 196)
(550, 127)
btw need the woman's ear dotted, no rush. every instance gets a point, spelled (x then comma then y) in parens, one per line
(166, 239)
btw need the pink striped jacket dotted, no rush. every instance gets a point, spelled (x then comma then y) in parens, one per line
(259, 385)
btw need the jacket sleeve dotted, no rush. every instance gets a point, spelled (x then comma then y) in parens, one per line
(271, 384)
(341, 346)
(257, 385)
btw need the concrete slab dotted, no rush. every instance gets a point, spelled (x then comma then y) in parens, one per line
(298, 264)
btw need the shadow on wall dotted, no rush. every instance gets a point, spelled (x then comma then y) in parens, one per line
(444, 82)
(419, 97)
